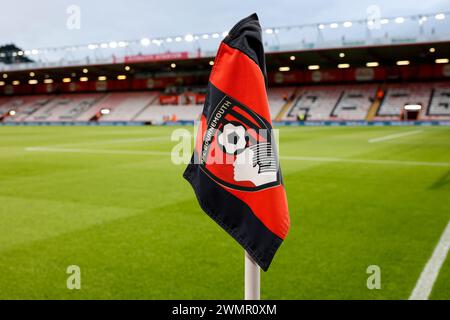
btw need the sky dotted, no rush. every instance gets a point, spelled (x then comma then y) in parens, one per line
(37, 24)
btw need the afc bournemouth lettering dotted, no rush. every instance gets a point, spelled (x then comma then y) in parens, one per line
(211, 130)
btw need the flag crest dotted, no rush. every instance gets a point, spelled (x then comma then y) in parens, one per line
(234, 170)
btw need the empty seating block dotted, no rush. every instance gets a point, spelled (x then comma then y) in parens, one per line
(126, 106)
(440, 100)
(317, 102)
(355, 102)
(24, 106)
(399, 95)
(278, 97)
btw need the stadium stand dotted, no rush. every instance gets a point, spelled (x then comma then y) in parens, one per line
(439, 107)
(64, 108)
(315, 102)
(355, 102)
(159, 113)
(399, 95)
(345, 102)
(278, 97)
(126, 106)
(24, 106)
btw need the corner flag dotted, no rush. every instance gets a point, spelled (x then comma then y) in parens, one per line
(234, 170)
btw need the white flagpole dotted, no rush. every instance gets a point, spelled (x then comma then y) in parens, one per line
(252, 279)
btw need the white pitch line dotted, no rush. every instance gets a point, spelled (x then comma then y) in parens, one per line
(295, 158)
(106, 142)
(97, 151)
(394, 136)
(424, 285)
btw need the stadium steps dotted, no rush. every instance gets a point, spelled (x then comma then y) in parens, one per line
(375, 106)
(285, 108)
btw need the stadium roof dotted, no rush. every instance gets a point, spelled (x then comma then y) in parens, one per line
(418, 53)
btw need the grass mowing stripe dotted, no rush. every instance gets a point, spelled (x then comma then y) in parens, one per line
(429, 274)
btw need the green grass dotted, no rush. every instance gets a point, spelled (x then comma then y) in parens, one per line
(134, 226)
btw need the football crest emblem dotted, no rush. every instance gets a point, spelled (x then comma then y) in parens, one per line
(238, 149)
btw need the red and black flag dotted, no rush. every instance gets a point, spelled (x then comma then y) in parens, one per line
(234, 169)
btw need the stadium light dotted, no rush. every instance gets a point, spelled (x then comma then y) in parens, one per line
(2, 83)
(101, 78)
(34, 51)
(48, 81)
(104, 45)
(314, 67)
(341, 54)
(384, 21)
(145, 42)
(66, 80)
(92, 46)
(189, 38)
(127, 68)
(399, 20)
(32, 74)
(105, 111)
(343, 65)
(32, 81)
(15, 82)
(169, 40)
(333, 25)
(269, 31)
(157, 42)
(439, 16)
(85, 70)
(12, 112)
(121, 77)
(84, 79)
(292, 58)
(20, 53)
(412, 107)
(432, 49)
(205, 36)
(347, 24)
(5, 75)
(321, 26)
(123, 44)
(211, 62)
(284, 69)
(178, 39)
(173, 65)
(215, 35)
(422, 20)
(441, 60)
(403, 62)
(224, 34)
(372, 64)
(113, 44)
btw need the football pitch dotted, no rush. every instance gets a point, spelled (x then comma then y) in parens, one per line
(110, 200)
